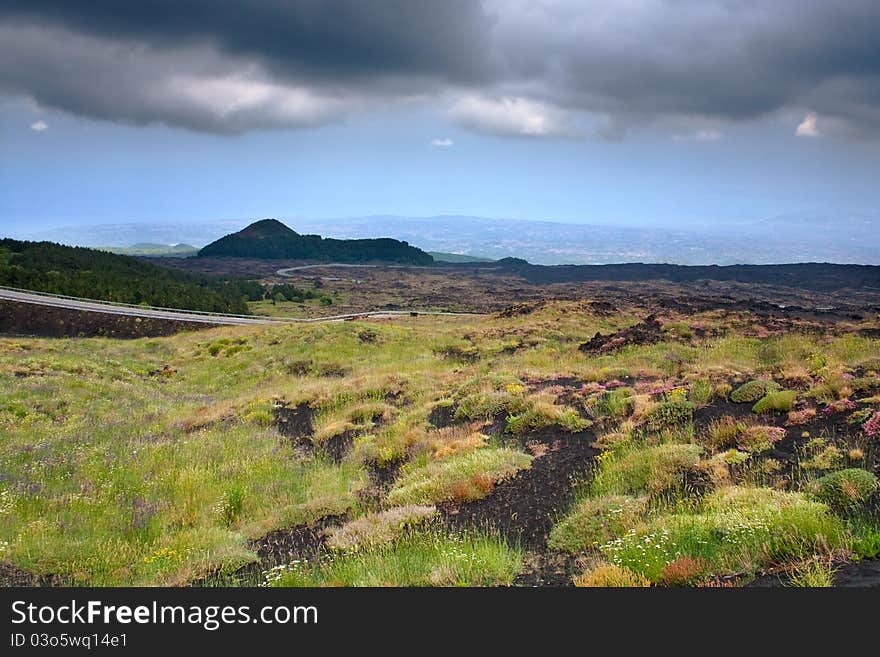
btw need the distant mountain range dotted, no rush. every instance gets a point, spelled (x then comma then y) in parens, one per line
(786, 238)
(271, 239)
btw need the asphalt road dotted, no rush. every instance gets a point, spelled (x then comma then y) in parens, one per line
(185, 316)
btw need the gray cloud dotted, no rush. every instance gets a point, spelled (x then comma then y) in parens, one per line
(506, 67)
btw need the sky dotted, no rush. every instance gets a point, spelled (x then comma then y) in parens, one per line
(672, 113)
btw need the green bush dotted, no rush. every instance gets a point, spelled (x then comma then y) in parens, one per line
(486, 405)
(608, 575)
(416, 559)
(376, 529)
(844, 490)
(614, 404)
(463, 477)
(652, 470)
(700, 392)
(723, 432)
(780, 402)
(668, 415)
(529, 420)
(595, 521)
(759, 438)
(867, 546)
(737, 530)
(753, 391)
(815, 574)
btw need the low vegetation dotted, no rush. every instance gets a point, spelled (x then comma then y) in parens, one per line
(402, 461)
(460, 478)
(416, 559)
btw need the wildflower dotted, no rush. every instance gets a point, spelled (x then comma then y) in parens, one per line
(872, 426)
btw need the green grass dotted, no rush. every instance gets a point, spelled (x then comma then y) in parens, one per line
(596, 520)
(462, 477)
(378, 529)
(417, 559)
(737, 530)
(119, 470)
(845, 490)
(814, 574)
(653, 470)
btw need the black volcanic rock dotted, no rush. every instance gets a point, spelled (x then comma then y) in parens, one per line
(270, 239)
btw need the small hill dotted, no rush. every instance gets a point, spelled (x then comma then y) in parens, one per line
(269, 239)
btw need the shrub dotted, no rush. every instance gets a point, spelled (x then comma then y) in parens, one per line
(377, 529)
(845, 490)
(416, 559)
(613, 404)
(731, 457)
(753, 391)
(652, 470)
(486, 405)
(596, 520)
(609, 575)
(760, 438)
(464, 353)
(722, 390)
(684, 571)
(867, 546)
(779, 402)
(723, 432)
(572, 422)
(737, 530)
(859, 417)
(700, 392)
(529, 420)
(230, 507)
(872, 426)
(540, 414)
(797, 418)
(815, 574)
(462, 477)
(668, 415)
(829, 458)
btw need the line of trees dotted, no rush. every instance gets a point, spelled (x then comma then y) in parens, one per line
(94, 274)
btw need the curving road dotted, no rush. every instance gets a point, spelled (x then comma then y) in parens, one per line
(89, 305)
(320, 265)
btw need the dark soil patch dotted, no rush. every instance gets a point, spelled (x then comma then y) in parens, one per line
(648, 331)
(522, 509)
(547, 569)
(833, 427)
(296, 423)
(383, 476)
(519, 309)
(13, 576)
(282, 546)
(337, 447)
(864, 573)
(442, 416)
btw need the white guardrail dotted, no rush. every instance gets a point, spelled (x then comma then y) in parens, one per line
(208, 314)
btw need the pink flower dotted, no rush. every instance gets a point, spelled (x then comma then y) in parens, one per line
(840, 406)
(872, 426)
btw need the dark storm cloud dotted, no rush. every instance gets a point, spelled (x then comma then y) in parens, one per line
(504, 66)
(337, 39)
(727, 60)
